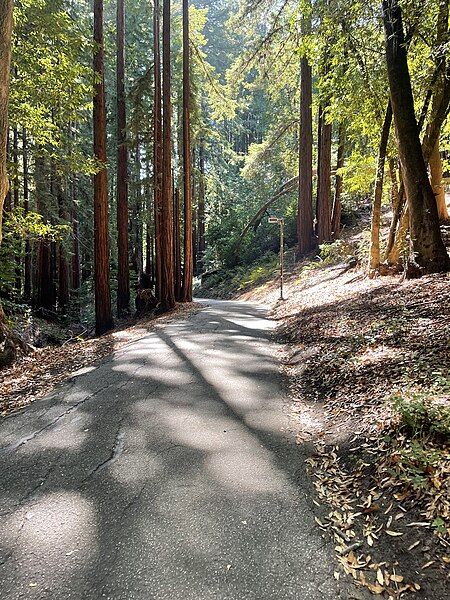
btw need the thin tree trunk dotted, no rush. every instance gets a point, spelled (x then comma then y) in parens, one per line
(201, 246)
(157, 148)
(436, 183)
(374, 251)
(188, 270)
(44, 295)
(177, 245)
(63, 264)
(103, 311)
(428, 250)
(26, 208)
(16, 204)
(324, 184)
(75, 262)
(337, 204)
(123, 271)
(319, 150)
(305, 221)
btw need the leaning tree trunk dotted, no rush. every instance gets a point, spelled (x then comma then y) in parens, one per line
(167, 270)
(103, 311)
(428, 250)
(123, 270)
(305, 221)
(188, 271)
(374, 252)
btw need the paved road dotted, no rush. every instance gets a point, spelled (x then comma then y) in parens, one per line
(166, 473)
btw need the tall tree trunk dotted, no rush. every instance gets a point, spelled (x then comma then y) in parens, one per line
(136, 227)
(305, 221)
(428, 250)
(374, 252)
(201, 246)
(26, 208)
(63, 264)
(324, 183)
(123, 272)
(436, 183)
(188, 270)
(167, 278)
(75, 262)
(103, 311)
(157, 148)
(319, 150)
(44, 287)
(8, 342)
(442, 38)
(16, 204)
(337, 204)
(6, 9)
(177, 245)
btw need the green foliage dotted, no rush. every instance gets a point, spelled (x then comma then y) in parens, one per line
(416, 461)
(31, 225)
(423, 414)
(337, 252)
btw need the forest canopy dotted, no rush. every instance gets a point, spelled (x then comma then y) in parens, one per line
(147, 142)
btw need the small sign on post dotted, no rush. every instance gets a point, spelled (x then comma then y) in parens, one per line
(280, 222)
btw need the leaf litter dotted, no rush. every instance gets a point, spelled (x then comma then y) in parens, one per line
(382, 493)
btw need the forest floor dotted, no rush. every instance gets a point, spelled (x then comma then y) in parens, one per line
(367, 367)
(36, 374)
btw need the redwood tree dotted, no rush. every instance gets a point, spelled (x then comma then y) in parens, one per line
(188, 271)
(6, 8)
(305, 226)
(428, 249)
(324, 183)
(7, 341)
(157, 147)
(123, 272)
(167, 270)
(103, 312)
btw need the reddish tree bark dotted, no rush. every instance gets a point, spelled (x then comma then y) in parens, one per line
(103, 312)
(167, 270)
(157, 147)
(177, 245)
(324, 184)
(123, 271)
(6, 9)
(63, 264)
(339, 182)
(188, 271)
(305, 221)
(26, 208)
(201, 245)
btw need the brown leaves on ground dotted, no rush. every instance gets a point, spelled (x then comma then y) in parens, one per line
(352, 345)
(35, 375)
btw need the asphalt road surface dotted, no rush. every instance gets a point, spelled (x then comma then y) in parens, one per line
(168, 472)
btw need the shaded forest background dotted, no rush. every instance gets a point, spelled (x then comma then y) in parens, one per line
(321, 112)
